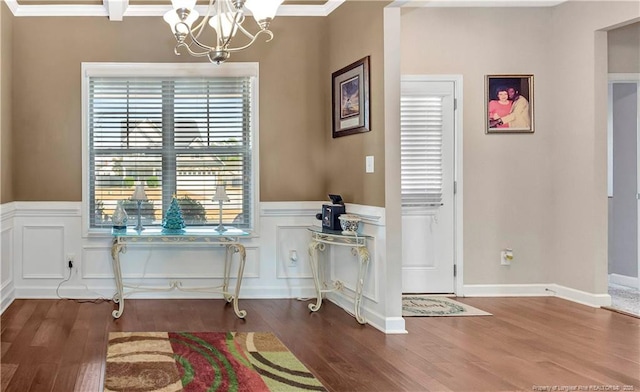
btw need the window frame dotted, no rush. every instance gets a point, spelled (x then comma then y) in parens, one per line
(245, 69)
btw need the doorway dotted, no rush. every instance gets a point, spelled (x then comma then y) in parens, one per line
(624, 192)
(429, 172)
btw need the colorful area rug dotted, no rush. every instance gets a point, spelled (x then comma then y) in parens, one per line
(203, 361)
(425, 305)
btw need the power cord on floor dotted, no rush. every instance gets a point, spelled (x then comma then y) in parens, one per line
(98, 300)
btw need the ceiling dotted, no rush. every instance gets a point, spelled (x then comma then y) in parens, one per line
(116, 10)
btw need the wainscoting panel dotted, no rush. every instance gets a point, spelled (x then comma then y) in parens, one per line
(293, 242)
(6, 249)
(160, 262)
(95, 262)
(345, 267)
(43, 252)
(7, 290)
(43, 235)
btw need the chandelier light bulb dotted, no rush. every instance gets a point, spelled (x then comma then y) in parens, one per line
(263, 10)
(173, 19)
(225, 20)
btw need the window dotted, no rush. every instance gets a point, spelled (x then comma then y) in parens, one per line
(181, 130)
(421, 117)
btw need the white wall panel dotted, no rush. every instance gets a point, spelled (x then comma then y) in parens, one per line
(46, 233)
(95, 262)
(7, 255)
(159, 262)
(6, 249)
(43, 251)
(345, 266)
(288, 239)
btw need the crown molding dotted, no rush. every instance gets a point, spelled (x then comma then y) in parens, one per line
(121, 8)
(476, 3)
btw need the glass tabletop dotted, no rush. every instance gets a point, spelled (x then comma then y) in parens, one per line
(186, 232)
(323, 230)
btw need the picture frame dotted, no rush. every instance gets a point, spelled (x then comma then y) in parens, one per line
(509, 104)
(350, 99)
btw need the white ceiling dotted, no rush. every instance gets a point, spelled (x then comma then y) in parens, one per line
(116, 10)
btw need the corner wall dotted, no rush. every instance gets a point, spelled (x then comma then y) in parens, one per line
(579, 149)
(7, 291)
(356, 30)
(6, 140)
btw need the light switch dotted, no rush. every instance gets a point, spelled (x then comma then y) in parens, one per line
(369, 164)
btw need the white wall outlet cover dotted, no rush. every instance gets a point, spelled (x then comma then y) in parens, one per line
(369, 163)
(506, 256)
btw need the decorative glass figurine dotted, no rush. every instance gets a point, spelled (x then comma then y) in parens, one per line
(119, 217)
(173, 221)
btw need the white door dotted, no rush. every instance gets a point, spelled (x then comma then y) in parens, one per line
(427, 166)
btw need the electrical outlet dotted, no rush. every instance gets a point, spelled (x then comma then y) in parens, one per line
(506, 256)
(293, 258)
(71, 258)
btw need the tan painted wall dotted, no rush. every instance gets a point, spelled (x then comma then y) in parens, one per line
(624, 49)
(47, 99)
(6, 167)
(355, 30)
(507, 183)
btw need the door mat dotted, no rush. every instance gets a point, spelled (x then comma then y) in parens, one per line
(203, 361)
(431, 306)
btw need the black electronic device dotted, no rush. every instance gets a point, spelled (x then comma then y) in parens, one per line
(331, 212)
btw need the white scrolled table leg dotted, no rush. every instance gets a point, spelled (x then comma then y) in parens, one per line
(238, 248)
(228, 257)
(314, 246)
(363, 258)
(118, 298)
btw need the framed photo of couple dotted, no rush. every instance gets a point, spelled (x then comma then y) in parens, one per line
(350, 99)
(509, 104)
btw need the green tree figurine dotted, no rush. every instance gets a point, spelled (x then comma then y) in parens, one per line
(173, 221)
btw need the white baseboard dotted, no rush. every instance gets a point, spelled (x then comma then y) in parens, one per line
(387, 325)
(106, 292)
(624, 280)
(8, 295)
(538, 290)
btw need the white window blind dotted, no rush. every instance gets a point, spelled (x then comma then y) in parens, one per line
(177, 136)
(421, 119)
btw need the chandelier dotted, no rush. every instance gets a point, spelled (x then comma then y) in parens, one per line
(226, 18)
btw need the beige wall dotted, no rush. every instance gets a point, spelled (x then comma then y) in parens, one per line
(579, 149)
(507, 187)
(624, 49)
(356, 30)
(47, 99)
(543, 194)
(6, 167)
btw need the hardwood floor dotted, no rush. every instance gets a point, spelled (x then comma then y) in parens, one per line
(528, 344)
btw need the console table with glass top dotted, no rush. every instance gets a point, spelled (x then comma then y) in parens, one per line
(358, 244)
(230, 239)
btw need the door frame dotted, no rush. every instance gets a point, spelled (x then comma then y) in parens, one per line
(615, 78)
(458, 249)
